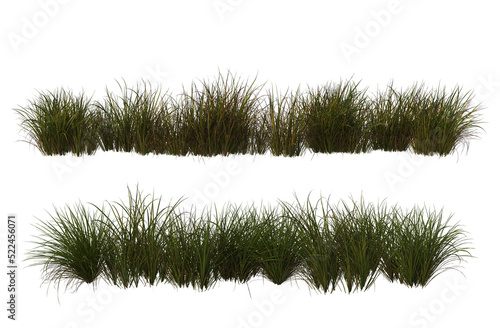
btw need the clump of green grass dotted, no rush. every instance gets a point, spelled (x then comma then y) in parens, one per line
(176, 140)
(237, 237)
(220, 117)
(137, 120)
(444, 121)
(359, 234)
(60, 122)
(72, 247)
(335, 118)
(422, 246)
(201, 252)
(135, 235)
(388, 265)
(284, 124)
(319, 257)
(278, 249)
(347, 245)
(341, 245)
(177, 254)
(390, 121)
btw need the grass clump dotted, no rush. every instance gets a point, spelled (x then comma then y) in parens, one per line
(220, 117)
(423, 245)
(335, 116)
(137, 245)
(318, 253)
(72, 247)
(444, 121)
(359, 234)
(278, 249)
(177, 254)
(202, 252)
(237, 237)
(284, 124)
(60, 122)
(391, 118)
(137, 120)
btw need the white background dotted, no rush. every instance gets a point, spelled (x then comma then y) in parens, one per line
(86, 45)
